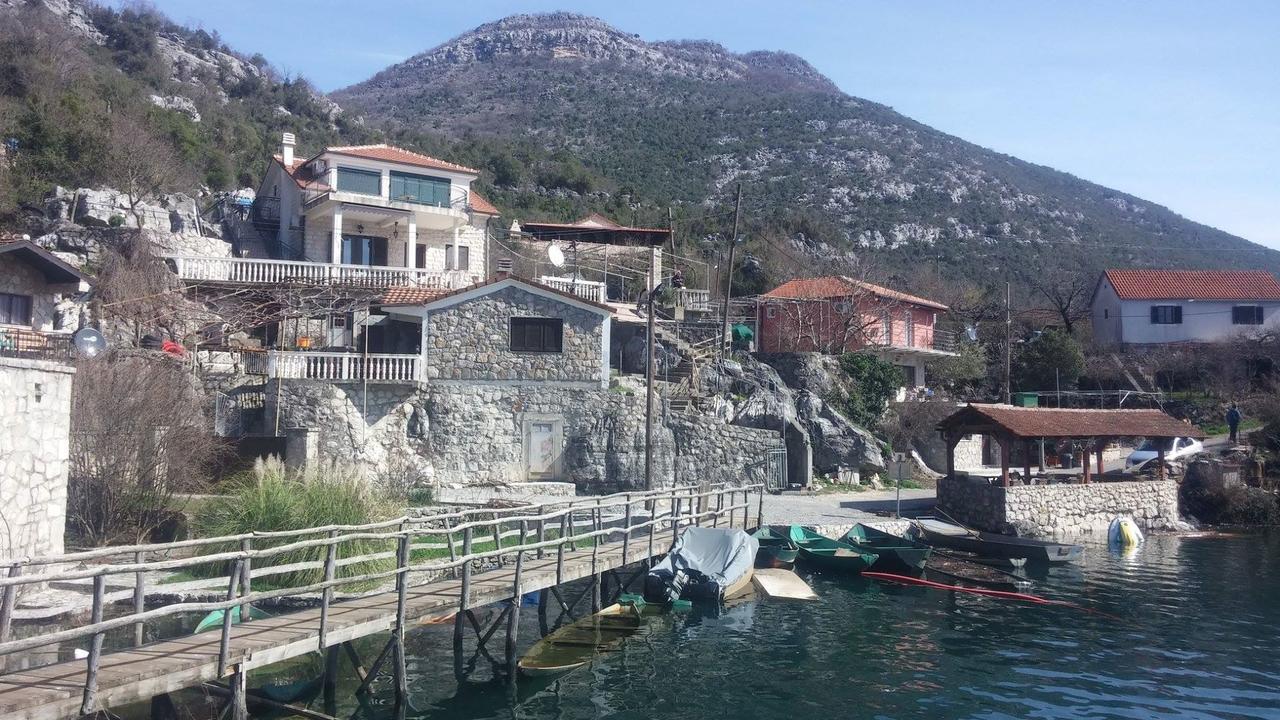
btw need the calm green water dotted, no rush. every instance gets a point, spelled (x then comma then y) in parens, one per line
(1195, 634)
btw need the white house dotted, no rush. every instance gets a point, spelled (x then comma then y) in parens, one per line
(1169, 306)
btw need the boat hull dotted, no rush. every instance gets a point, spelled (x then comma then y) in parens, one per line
(895, 554)
(577, 644)
(776, 551)
(823, 553)
(1001, 546)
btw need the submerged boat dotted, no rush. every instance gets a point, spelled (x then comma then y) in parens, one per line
(214, 619)
(957, 537)
(824, 553)
(704, 564)
(949, 568)
(578, 643)
(896, 554)
(777, 550)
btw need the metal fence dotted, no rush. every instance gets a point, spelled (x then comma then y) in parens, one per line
(35, 345)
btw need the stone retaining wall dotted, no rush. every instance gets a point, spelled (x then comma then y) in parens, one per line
(1060, 509)
(35, 436)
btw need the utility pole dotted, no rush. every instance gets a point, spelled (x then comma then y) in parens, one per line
(648, 374)
(1008, 343)
(728, 276)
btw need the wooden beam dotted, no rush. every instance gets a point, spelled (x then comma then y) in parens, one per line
(1004, 443)
(1084, 464)
(1026, 461)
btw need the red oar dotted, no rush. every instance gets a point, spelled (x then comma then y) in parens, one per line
(1023, 597)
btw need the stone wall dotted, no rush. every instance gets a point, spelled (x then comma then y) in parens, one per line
(1060, 509)
(477, 434)
(471, 341)
(35, 426)
(19, 277)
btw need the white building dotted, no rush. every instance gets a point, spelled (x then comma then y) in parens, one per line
(1139, 307)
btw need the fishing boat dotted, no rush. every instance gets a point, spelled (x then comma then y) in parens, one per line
(950, 567)
(578, 643)
(776, 549)
(704, 564)
(824, 553)
(895, 554)
(957, 537)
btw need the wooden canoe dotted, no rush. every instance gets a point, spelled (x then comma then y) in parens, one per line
(956, 537)
(896, 554)
(578, 643)
(822, 552)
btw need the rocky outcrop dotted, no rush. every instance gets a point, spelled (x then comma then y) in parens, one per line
(177, 103)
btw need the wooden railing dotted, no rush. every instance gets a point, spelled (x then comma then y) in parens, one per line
(242, 559)
(250, 271)
(588, 289)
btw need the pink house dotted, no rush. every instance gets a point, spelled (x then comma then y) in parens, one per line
(838, 314)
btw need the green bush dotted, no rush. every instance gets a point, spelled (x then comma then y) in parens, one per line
(875, 382)
(273, 498)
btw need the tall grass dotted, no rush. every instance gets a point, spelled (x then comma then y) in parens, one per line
(274, 497)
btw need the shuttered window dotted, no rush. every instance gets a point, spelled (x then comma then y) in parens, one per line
(1166, 314)
(364, 182)
(1246, 315)
(537, 335)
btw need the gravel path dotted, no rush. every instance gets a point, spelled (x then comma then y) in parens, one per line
(841, 508)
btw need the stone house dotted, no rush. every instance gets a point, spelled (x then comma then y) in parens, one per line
(35, 398)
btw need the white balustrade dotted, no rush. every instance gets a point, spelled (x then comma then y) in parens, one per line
(252, 271)
(374, 367)
(586, 289)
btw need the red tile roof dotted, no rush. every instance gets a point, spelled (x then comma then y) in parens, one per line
(481, 204)
(302, 179)
(500, 277)
(1068, 423)
(405, 295)
(388, 153)
(839, 286)
(1194, 284)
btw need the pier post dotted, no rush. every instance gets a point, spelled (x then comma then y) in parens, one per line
(542, 529)
(238, 702)
(89, 702)
(675, 517)
(626, 533)
(595, 555)
(6, 609)
(402, 590)
(544, 597)
(331, 680)
(463, 601)
(246, 546)
(513, 617)
(760, 507)
(139, 597)
(653, 528)
(224, 646)
(326, 596)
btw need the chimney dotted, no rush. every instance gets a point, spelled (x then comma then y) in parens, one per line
(287, 142)
(504, 269)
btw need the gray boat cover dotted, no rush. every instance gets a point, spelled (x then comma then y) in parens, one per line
(722, 556)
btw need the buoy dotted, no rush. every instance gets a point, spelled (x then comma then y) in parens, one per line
(1124, 533)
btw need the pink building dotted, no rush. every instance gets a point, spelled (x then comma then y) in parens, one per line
(838, 314)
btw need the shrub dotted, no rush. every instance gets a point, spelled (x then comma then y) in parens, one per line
(273, 497)
(874, 381)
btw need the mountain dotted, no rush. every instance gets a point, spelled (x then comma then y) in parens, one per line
(824, 173)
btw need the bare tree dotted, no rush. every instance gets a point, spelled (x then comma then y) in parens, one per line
(1066, 294)
(140, 437)
(142, 165)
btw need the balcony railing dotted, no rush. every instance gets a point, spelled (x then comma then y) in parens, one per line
(935, 340)
(693, 299)
(586, 289)
(34, 344)
(251, 271)
(335, 366)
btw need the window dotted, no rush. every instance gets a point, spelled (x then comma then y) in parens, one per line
(1246, 315)
(842, 307)
(1106, 314)
(15, 309)
(909, 321)
(886, 328)
(420, 189)
(537, 334)
(365, 182)
(364, 250)
(770, 311)
(464, 258)
(1166, 314)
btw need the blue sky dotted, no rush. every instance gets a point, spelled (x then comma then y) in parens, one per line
(1177, 102)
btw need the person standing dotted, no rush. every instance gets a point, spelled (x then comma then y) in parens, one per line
(1233, 423)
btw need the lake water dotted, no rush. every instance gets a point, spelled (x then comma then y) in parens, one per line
(1185, 628)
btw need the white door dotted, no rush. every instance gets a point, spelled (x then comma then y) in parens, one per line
(542, 450)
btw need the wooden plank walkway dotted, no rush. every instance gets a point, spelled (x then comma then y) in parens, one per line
(138, 674)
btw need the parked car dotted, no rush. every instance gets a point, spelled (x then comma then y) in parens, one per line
(1174, 449)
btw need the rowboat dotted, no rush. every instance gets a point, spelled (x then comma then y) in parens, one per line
(704, 564)
(952, 568)
(578, 643)
(214, 619)
(957, 537)
(776, 549)
(824, 553)
(896, 554)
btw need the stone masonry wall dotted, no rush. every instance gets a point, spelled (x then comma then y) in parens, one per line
(1060, 509)
(35, 427)
(475, 434)
(20, 278)
(472, 341)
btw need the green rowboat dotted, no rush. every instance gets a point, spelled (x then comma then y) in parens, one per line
(776, 549)
(824, 553)
(897, 554)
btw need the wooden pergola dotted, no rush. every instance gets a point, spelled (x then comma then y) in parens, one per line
(1009, 425)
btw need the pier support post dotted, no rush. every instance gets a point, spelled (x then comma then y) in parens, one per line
(402, 590)
(162, 708)
(331, 680)
(464, 596)
(595, 558)
(513, 618)
(238, 702)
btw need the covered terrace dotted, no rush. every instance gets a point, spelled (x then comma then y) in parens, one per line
(1009, 425)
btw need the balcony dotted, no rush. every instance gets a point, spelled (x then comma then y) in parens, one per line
(585, 289)
(921, 341)
(30, 344)
(250, 271)
(333, 366)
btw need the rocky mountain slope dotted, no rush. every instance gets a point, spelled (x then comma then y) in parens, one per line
(824, 172)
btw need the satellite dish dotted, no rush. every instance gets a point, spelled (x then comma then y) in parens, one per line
(555, 255)
(89, 343)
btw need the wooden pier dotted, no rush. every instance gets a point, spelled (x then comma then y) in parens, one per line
(551, 549)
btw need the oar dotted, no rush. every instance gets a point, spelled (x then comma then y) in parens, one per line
(1002, 594)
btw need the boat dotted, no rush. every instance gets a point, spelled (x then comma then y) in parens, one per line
(957, 537)
(578, 643)
(214, 619)
(896, 554)
(777, 550)
(822, 552)
(703, 564)
(948, 567)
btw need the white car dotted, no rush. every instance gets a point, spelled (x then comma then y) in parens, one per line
(1174, 449)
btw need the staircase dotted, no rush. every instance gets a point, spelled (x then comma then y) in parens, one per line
(1132, 371)
(682, 394)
